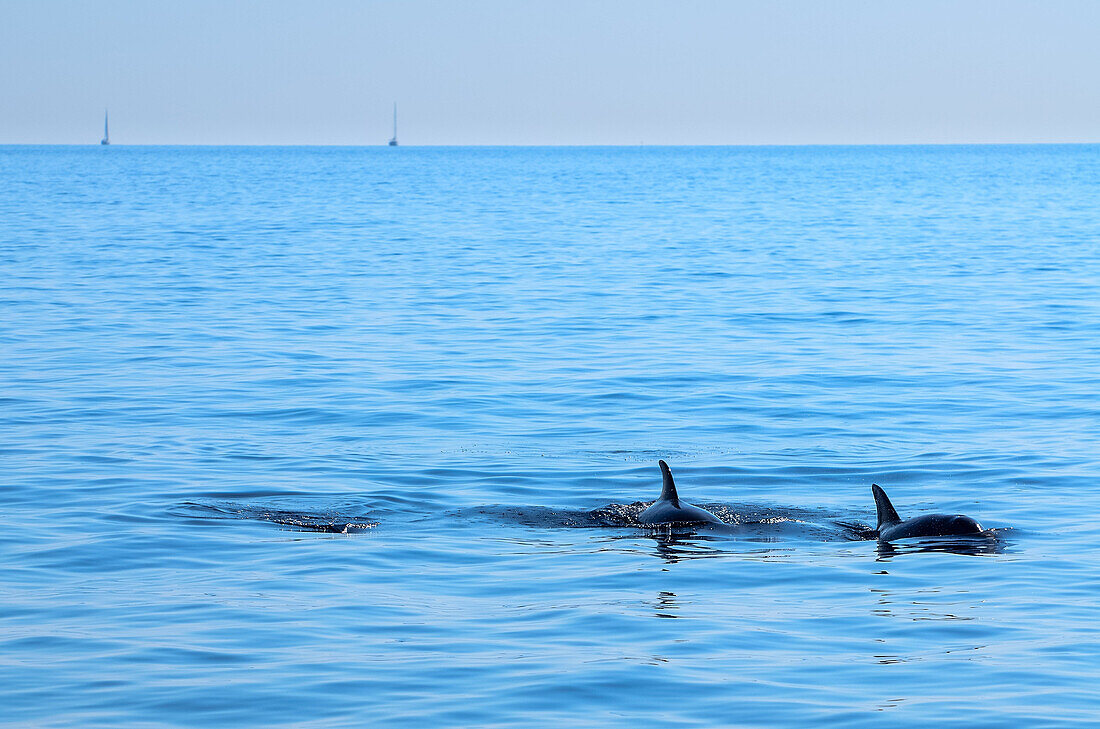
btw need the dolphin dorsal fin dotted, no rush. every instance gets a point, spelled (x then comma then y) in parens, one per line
(668, 487)
(886, 512)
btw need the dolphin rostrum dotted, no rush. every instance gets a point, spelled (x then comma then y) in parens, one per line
(891, 527)
(668, 509)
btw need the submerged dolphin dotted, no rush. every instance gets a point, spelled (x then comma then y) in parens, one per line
(891, 527)
(669, 509)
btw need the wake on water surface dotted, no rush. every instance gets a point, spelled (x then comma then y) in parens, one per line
(674, 542)
(738, 520)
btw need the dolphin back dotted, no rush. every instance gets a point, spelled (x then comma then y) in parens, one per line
(668, 509)
(891, 527)
(932, 525)
(663, 512)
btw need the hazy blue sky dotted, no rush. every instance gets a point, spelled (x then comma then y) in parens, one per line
(560, 72)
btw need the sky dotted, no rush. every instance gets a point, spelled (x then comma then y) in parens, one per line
(561, 72)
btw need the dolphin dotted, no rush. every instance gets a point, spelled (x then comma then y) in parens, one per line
(669, 509)
(891, 527)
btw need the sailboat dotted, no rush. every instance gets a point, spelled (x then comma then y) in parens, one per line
(393, 142)
(106, 137)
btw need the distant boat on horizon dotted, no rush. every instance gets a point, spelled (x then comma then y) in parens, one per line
(393, 141)
(106, 136)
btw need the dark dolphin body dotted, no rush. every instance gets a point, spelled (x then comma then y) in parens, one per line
(668, 509)
(891, 527)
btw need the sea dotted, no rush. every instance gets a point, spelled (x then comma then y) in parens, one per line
(345, 437)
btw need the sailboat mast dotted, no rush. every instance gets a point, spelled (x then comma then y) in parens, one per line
(395, 120)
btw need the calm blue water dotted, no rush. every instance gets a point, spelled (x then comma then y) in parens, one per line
(217, 359)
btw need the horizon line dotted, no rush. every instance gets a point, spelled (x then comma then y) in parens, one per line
(563, 146)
